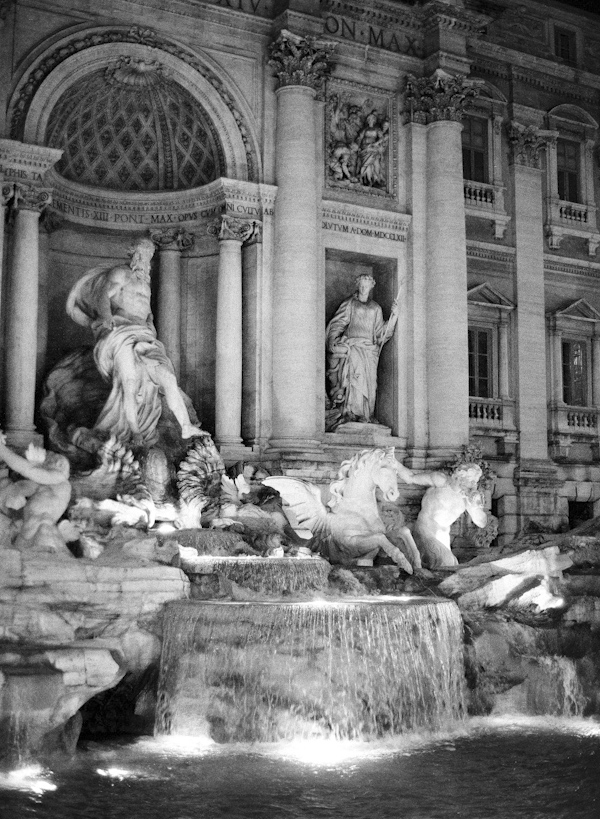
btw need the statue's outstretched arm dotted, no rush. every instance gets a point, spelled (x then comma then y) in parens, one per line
(27, 469)
(421, 478)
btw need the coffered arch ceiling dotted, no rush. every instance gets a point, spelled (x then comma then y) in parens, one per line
(135, 113)
(130, 126)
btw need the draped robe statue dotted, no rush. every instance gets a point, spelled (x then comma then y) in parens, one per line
(355, 337)
(115, 303)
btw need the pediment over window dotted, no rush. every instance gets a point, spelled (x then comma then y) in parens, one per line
(484, 295)
(580, 310)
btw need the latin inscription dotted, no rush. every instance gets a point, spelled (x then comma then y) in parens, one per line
(370, 35)
(20, 173)
(248, 6)
(371, 233)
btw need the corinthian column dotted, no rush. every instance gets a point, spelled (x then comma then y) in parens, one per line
(232, 233)
(22, 314)
(301, 66)
(170, 242)
(438, 103)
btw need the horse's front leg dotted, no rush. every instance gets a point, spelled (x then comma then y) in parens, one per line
(380, 541)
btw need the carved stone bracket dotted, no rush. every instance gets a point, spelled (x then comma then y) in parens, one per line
(527, 142)
(300, 60)
(173, 239)
(31, 197)
(439, 97)
(229, 227)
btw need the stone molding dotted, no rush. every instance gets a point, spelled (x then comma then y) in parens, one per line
(234, 228)
(489, 252)
(25, 163)
(442, 96)
(125, 211)
(303, 61)
(438, 15)
(377, 12)
(173, 239)
(368, 222)
(560, 266)
(527, 142)
(31, 197)
(135, 35)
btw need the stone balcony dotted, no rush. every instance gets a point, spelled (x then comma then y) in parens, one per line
(572, 219)
(571, 425)
(486, 201)
(494, 418)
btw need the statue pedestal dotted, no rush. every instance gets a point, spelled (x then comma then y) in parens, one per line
(357, 433)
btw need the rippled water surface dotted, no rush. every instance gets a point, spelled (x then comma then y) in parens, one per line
(530, 768)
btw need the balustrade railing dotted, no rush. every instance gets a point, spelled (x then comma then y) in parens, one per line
(487, 410)
(479, 195)
(573, 214)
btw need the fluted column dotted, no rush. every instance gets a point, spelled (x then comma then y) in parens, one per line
(170, 242)
(438, 102)
(22, 314)
(232, 233)
(301, 66)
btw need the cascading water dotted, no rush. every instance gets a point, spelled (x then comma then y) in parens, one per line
(354, 669)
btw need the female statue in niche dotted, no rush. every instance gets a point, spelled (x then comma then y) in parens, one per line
(355, 337)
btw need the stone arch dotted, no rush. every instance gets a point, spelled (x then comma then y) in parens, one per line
(71, 59)
(574, 113)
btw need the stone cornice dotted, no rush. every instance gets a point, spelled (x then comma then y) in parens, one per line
(124, 211)
(367, 222)
(31, 160)
(378, 12)
(496, 253)
(547, 75)
(442, 15)
(560, 266)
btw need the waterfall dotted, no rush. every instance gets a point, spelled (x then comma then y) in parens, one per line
(354, 669)
(553, 688)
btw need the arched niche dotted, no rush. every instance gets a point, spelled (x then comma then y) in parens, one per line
(69, 61)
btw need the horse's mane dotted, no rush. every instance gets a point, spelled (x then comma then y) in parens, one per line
(357, 463)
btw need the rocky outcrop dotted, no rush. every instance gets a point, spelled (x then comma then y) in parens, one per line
(70, 628)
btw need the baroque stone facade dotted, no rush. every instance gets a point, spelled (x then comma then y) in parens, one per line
(274, 152)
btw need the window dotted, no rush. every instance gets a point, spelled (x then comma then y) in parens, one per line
(565, 45)
(475, 149)
(567, 166)
(480, 362)
(574, 372)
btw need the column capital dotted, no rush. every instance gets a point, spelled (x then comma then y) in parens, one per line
(31, 197)
(231, 227)
(173, 239)
(303, 61)
(7, 191)
(442, 96)
(527, 142)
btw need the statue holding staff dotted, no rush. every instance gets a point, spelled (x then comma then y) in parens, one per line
(355, 337)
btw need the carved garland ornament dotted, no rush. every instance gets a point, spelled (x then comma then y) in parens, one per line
(300, 60)
(439, 97)
(139, 36)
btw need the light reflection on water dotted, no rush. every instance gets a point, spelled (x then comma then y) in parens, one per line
(491, 768)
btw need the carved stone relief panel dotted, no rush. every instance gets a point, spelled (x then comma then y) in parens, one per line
(360, 144)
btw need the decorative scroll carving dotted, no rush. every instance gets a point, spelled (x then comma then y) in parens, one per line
(135, 34)
(300, 60)
(173, 238)
(30, 197)
(527, 141)
(6, 194)
(229, 227)
(439, 97)
(52, 220)
(357, 142)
